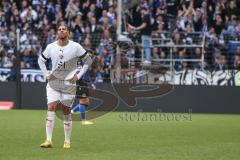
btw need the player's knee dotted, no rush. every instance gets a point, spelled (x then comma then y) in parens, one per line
(66, 110)
(84, 101)
(53, 106)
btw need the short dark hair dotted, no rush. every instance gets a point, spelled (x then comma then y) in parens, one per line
(62, 24)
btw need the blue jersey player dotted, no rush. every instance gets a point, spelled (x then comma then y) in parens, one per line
(82, 94)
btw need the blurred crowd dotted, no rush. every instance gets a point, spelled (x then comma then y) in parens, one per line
(93, 24)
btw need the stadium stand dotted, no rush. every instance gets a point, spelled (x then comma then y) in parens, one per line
(93, 23)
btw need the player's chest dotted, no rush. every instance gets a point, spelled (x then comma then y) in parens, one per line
(63, 53)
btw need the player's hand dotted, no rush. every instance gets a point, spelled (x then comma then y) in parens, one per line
(50, 76)
(74, 79)
(93, 87)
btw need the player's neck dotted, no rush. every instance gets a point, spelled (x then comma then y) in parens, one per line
(62, 42)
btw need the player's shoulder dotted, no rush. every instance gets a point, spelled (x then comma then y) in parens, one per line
(76, 44)
(53, 44)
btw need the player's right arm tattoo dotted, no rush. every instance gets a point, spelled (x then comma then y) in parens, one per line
(87, 62)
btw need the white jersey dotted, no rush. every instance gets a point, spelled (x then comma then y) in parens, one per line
(64, 59)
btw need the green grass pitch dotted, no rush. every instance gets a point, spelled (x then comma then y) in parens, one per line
(206, 137)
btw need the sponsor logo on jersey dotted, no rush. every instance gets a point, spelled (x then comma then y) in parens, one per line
(61, 56)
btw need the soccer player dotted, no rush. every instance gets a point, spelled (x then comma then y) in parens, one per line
(61, 89)
(82, 94)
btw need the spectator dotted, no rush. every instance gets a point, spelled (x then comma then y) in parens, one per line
(155, 55)
(7, 60)
(23, 65)
(158, 55)
(27, 57)
(220, 63)
(234, 27)
(1, 57)
(197, 19)
(51, 36)
(218, 25)
(236, 63)
(238, 51)
(180, 64)
(145, 33)
(232, 9)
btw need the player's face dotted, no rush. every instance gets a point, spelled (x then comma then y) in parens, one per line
(62, 32)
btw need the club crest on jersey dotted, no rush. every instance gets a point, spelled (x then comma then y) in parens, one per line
(61, 56)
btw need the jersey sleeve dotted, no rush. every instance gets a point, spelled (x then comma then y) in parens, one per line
(81, 52)
(45, 54)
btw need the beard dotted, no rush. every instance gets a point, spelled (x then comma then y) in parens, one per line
(62, 36)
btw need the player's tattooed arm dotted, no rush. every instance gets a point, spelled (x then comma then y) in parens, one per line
(87, 62)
